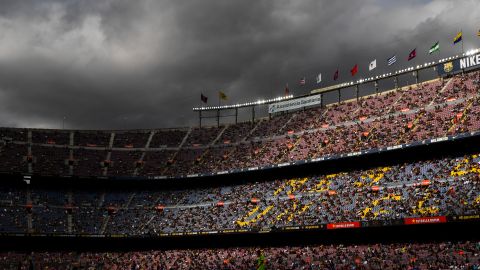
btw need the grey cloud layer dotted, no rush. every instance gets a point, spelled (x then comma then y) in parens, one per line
(143, 64)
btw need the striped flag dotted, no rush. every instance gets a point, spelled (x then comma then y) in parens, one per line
(302, 81)
(457, 38)
(435, 47)
(392, 60)
(478, 33)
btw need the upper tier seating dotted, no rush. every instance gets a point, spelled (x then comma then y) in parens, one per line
(428, 110)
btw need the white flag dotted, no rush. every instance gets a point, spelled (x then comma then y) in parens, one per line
(372, 65)
(319, 78)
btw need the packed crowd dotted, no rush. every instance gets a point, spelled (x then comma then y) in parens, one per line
(428, 110)
(447, 186)
(434, 255)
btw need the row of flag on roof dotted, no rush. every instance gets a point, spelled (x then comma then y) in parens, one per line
(390, 61)
(221, 96)
(373, 65)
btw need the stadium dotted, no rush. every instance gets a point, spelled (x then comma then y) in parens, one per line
(380, 172)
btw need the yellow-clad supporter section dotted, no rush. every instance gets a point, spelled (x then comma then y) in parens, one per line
(243, 223)
(369, 209)
(466, 166)
(324, 183)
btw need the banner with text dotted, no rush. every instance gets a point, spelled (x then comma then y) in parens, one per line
(343, 225)
(294, 104)
(458, 64)
(425, 220)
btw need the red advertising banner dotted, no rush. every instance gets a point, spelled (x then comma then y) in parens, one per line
(343, 225)
(425, 220)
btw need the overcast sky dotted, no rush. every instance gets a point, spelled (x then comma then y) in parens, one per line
(143, 63)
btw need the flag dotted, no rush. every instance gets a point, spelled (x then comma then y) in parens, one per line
(354, 70)
(287, 92)
(435, 47)
(392, 60)
(457, 38)
(335, 76)
(412, 54)
(302, 81)
(319, 77)
(203, 98)
(372, 65)
(222, 95)
(478, 33)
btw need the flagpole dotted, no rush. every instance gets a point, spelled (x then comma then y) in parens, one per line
(218, 111)
(462, 53)
(416, 71)
(461, 31)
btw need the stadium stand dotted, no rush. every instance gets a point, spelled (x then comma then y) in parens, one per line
(89, 163)
(130, 139)
(13, 134)
(50, 137)
(13, 158)
(413, 113)
(167, 138)
(437, 187)
(432, 255)
(92, 138)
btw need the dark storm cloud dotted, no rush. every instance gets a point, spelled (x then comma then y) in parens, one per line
(143, 64)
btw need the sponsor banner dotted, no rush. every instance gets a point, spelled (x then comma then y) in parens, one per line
(469, 61)
(306, 227)
(468, 217)
(382, 223)
(340, 225)
(294, 104)
(312, 227)
(458, 64)
(206, 232)
(343, 225)
(425, 220)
